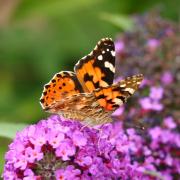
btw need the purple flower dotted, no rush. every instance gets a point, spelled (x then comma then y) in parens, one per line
(167, 78)
(79, 139)
(156, 93)
(84, 160)
(68, 173)
(169, 123)
(152, 44)
(119, 111)
(29, 175)
(68, 151)
(65, 150)
(153, 101)
(162, 143)
(21, 162)
(150, 104)
(155, 133)
(145, 103)
(55, 139)
(119, 46)
(33, 154)
(145, 82)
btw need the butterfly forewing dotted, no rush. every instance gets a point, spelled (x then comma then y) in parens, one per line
(62, 85)
(97, 69)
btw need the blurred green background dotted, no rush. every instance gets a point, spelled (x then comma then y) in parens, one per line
(42, 37)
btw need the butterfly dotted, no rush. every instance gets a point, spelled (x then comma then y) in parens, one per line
(88, 94)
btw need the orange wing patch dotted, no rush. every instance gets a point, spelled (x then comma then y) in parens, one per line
(97, 69)
(62, 85)
(90, 76)
(106, 97)
(113, 96)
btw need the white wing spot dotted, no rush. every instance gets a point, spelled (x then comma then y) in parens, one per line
(113, 53)
(91, 53)
(110, 66)
(96, 47)
(82, 58)
(118, 101)
(122, 85)
(130, 90)
(100, 57)
(107, 49)
(103, 52)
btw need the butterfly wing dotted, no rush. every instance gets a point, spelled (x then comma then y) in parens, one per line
(95, 108)
(89, 94)
(111, 97)
(62, 85)
(97, 68)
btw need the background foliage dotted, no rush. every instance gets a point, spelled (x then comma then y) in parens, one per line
(39, 38)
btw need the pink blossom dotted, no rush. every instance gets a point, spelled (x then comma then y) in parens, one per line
(79, 139)
(33, 154)
(152, 44)
(156, 93)
(68, 174)
(114, 153)
(55, 139)
(118, 111)
(84, 160)
(119, 46)
(169, 122)
(167, 78)
(149, 104)
(65, 150)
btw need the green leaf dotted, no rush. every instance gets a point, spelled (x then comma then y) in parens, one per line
(121, 21)
(9, 129)
(154, 174)
(4, 146)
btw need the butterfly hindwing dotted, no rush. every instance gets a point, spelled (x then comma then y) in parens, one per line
(111, 97)
(97, 69)
(62, 85)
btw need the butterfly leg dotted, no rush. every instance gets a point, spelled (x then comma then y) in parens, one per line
(86, 125)
(100, 130)
(99, 140)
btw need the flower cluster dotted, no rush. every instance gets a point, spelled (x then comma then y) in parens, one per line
(152, 102)
(62, 149)
(152, 48)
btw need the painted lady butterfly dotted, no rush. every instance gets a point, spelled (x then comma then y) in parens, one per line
(88, 94)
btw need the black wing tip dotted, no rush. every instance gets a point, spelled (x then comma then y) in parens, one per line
(105, 40)
(90, 55)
